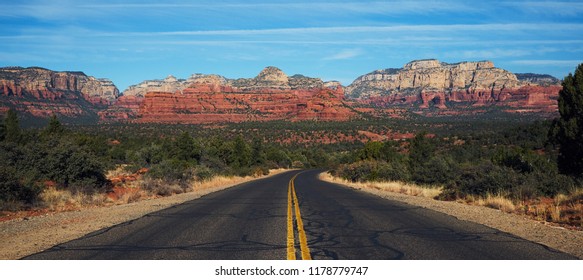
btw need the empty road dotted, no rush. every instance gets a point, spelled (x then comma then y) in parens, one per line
(296, 216)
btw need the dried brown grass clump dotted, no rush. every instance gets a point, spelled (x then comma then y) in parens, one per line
(497, 201)
(563, 209)
(219, 181)
(59, 200)
(396, 187)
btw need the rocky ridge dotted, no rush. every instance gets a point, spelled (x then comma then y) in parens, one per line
(271, 95)
(426, 83)
(538, 79)
(42, 92)
(270, 78)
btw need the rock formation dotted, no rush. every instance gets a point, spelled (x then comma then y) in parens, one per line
(429, 82)
(272, 95)
(170, 84)
(42, 92)
(538, 79)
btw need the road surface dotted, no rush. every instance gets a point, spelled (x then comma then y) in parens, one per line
(262, 220)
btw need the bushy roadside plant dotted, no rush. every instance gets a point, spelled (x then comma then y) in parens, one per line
(370, 170)
(13, 191)
(481, 180)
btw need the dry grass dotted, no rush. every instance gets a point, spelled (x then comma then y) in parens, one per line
(396, 187)
(59, 200)
(218, 181)
(143, 188)
(496, 201)
(118, 171)
(564, 209)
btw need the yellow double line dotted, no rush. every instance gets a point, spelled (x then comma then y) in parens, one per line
(292, 198)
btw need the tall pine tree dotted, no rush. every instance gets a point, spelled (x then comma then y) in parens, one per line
(11, 126)
(567, 131)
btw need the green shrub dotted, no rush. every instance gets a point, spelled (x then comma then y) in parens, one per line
(11, 189)
(393, 171)
(171, 170)
(358, 171)
(483, 179)
(551, 184)
(370, 170)
(436, 170)
(202, 173)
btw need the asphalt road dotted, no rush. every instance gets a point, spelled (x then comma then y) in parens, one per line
(252, 221)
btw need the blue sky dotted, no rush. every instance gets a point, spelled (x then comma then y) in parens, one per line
(130, 41)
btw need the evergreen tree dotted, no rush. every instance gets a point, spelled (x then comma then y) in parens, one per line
(257, 155)
(372, 150)
(186, 148)
(567, 131)
(241, 153)
(421, 149)
(11, 126)
(54, 127)
(2, 129)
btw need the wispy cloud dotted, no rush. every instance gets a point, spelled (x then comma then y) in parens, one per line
(47, 10)
(494, 53)
(511, 27)
(376, 7)
(562, 8)
(58, 8)
(344, 54)
(546, 62)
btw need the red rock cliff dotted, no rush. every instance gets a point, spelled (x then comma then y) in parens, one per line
(43, 92)
(212, 98)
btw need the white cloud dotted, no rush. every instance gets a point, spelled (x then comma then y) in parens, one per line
(376, 7)
(561, 8)
(344, 54)
(359, 29)
(546, 62)
(67, 9)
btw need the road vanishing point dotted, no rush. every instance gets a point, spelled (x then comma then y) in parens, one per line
(296, 216)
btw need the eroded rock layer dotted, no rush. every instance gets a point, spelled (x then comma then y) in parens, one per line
(272, 95)
(42, 92)
(425, 83)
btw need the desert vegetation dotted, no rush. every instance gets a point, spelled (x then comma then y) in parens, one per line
(58, 167)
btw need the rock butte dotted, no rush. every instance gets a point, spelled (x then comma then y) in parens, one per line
(272, 95)
(43, 92)
(429, 81)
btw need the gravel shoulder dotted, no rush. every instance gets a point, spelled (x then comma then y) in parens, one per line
(23, 237)
(568, 241)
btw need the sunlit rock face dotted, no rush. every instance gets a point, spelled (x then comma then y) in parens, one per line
(42, 92)
(271, 95)
(425, 83)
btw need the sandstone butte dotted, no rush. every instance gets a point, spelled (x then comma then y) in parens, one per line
(41, 92)
(272, 95)
(430, 82)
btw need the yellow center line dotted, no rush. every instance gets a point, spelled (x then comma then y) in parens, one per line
(292, 198)
(291, 250)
